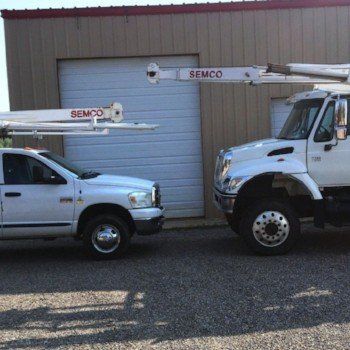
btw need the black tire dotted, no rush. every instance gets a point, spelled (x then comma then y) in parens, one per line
(275, 231)
(234, 222)
(112, 222)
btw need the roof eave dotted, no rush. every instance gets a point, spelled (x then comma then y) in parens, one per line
(170, 9)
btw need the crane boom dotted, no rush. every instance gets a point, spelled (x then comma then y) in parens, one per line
(255, 75)
(77, 121)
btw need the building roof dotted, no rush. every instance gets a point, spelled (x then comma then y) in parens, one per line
(170, 9)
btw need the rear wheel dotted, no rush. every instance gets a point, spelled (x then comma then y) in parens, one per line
(106, 236)
(270, 227)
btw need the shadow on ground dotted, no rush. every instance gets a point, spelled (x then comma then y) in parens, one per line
(175, 285)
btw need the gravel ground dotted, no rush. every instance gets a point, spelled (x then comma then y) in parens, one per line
(188, 289)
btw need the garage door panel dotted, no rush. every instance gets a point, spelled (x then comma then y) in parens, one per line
(182, 213)
(188, 194)
(125, 92)
(171, 155)
(167, 118)
(168, 172)
(180, 136)
(123, 80)
(190, 209)
(160, 102)
(169, 175)
(190, 182)
(110, 164)
(153, 149)
(107, 86)
(142, 137)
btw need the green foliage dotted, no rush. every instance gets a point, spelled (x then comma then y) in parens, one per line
(5, 143)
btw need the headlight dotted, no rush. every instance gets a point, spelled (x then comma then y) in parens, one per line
(154, 196)
(230, 184)
(226, 163)
(140, 199)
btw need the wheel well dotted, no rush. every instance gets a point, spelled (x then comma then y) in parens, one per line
(105, 208)
(278, 186)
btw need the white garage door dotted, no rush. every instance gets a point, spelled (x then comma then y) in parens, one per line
(279, 114)
(171, 155)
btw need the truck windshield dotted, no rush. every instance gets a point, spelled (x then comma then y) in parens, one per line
(81, 173)
(301, 119)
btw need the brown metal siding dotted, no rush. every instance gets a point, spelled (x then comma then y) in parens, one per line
(230, 114)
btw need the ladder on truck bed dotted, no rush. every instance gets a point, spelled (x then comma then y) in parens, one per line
(329, 77)
(77, 121)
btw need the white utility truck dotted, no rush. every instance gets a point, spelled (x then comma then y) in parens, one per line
(45, 196)
(265, 187)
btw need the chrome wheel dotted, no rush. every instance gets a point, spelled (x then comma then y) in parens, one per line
(271, 228)
(106, 238)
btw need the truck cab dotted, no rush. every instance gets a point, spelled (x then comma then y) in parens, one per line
(45, 196)
(266, 186)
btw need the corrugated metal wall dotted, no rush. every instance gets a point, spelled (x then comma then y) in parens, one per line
(230, 115)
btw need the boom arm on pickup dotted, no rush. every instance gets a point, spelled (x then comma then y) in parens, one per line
(78, 121)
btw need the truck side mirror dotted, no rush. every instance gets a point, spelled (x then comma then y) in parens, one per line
(341, 119)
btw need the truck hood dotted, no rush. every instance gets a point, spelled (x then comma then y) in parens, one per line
(261, 148)
(120, 181)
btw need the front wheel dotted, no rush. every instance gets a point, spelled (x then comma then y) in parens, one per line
(270, 227)
(106, 236)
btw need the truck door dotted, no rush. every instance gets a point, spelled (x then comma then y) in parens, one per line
(36, 200)
(328, 165)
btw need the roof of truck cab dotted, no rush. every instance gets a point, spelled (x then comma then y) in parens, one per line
(21, 150)
(318, 93)
(307, 95)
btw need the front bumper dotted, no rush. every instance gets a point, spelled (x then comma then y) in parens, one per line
(148, 221)
(224, 202)
(149, 226)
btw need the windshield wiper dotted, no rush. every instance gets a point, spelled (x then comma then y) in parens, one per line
(89, 174)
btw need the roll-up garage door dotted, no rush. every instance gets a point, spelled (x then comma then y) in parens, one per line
(171, 155)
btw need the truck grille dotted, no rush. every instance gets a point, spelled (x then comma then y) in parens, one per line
(218, 168)
(158, 196)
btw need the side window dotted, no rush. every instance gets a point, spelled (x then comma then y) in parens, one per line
(325, 130)
(16, 171)
(39, 172)
(24, 170)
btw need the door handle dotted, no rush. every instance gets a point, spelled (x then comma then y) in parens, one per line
(328, 147)
(12, 194)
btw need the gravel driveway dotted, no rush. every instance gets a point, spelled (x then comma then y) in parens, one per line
(190, 289)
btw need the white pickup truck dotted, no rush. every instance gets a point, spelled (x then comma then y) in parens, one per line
(264, 187)
(45, 196)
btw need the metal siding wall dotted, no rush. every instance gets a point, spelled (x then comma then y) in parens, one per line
(230, 114)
